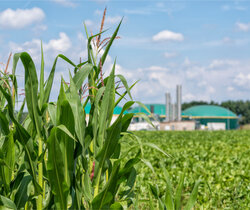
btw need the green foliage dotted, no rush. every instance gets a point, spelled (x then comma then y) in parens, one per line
(219, 158)
(56, 157)
(241, 108)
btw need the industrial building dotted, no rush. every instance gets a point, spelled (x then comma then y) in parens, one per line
(211, 117)
(202, 117)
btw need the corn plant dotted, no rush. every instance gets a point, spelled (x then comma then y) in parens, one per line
(58, 158)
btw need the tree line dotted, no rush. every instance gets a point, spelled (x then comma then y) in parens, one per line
(240, 108)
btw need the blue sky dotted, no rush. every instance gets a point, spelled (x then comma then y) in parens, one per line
(203, 45)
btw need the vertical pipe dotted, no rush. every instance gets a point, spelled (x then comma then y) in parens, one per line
(178, 101)
(168, 103)
(173, 114)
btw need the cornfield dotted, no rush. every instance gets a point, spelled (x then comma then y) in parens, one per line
(55, 158)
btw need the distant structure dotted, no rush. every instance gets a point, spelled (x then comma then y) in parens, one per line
(168, 106)
(173, 110)
(178, 102)
(171, 117)
(210, 117)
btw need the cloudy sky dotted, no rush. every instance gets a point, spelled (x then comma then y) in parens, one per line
(203, 45)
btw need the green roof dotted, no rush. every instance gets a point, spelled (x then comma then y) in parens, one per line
(208, 111)
(159, 109)
(117, 109)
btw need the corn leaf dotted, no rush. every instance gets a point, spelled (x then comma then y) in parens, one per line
(193, 196)
(24, 138)
(21, 195)
(103, 58)
(116, 206)
(41, 89)
(153, 146)
(106, 111)
(56, 168)
(49, 82)
(124, 94)
(179, 192)
(105, 198)
(31, 90)
(4, 124)
(168, 200)
(124, 82)
(52, 112)
(8, 149)
(81, 75)
(77, 111)
(8, 203)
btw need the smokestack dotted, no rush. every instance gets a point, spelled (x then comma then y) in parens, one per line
(173, 112)
(168, 104)
(178, 102)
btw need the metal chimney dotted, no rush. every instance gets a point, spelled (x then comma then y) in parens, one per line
(173, 112)
(178, 102)
(168, 104)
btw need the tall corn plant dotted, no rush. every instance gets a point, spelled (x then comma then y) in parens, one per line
(56, 158)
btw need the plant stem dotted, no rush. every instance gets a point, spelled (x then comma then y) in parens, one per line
(40, 174)
(97, 184)
(107, 175)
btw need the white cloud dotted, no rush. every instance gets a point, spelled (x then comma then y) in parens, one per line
(168, 36)
(62, 44)
(156, 68)
(199, 82)
(113, 20)
(243, 26)
(170, 54)
(230, 88)
(222, 63)
(20, 18)
(242, 80)
(125, 72)
(52, 47)
(210, 89)
(65, 3)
